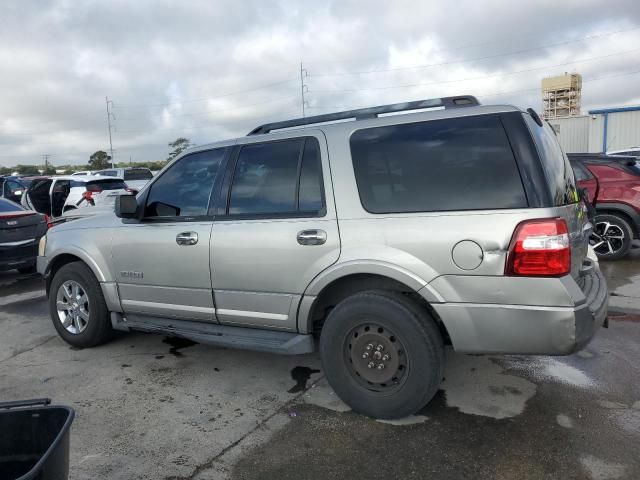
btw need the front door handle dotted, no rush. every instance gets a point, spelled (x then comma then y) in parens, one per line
(312, 237)
(187, 238)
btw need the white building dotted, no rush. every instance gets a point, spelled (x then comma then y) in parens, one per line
(603, 130)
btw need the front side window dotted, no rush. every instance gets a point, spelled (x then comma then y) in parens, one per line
(277, 178)
(184, 189)
(440, 165)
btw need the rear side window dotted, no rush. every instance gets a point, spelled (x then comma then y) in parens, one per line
(580, 172)
(278, 178)
(441, 165)
(138, 174)
(555, 163)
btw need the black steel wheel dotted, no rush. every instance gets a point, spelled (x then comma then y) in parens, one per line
(382, 353)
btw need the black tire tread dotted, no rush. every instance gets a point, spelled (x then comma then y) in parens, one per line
(100, 324)
(612, 217)
(426, 329)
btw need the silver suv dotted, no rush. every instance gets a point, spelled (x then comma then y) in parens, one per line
(385, 237)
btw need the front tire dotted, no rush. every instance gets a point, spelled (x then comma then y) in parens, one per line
(77, 307)
(611, 237)
(382, 353)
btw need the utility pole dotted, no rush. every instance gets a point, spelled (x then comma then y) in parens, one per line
(46, 162)
(303, 73)
(109, 117)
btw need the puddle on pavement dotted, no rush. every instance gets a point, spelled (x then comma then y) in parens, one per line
(177, 344)
(301, 375)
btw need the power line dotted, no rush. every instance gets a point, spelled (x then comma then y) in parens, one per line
(389, 87)
(198, 100)
(486, 57)
(494, 94)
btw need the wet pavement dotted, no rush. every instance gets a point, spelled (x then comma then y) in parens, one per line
(151, 407)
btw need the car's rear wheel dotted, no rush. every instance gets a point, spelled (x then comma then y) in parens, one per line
(611, 237)
(77, 306)
(382, 353)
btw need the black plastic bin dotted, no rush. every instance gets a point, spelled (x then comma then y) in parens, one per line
(34, 440)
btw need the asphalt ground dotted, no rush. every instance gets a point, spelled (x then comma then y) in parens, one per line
(157, 408)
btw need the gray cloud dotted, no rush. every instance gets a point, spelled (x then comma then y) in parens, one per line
(193, 68)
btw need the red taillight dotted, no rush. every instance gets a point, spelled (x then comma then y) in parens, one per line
(48, 220)
(540, 248)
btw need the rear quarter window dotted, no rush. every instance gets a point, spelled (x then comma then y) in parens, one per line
(557, 170)
(441, 165)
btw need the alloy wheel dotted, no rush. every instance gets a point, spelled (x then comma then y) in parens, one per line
(607, 238)
(72, 305)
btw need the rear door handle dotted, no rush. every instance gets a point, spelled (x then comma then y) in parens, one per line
(312, 237)
(187, 238)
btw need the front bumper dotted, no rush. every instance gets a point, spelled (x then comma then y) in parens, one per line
(41, 264)
(529, 329)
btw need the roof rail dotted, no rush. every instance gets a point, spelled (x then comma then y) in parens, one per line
(371, 112)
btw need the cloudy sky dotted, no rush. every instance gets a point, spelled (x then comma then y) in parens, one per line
(209, 69)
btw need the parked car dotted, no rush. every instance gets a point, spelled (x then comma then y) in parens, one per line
(20, 232)
(81, 173)
(386, 237)
(613, 183)
(631, 152)
(56, 195)
(134, 177)
(11, 188)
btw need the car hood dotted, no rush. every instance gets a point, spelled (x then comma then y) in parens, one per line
(95, 217)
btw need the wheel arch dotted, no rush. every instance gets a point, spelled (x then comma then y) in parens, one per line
(328, 290)
(626, 212)
(63, 258)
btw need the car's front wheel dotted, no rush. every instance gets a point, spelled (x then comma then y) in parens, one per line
(77, 307)
(611, 237)
(382, 353)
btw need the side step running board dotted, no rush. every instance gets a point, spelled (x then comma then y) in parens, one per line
(219, 335)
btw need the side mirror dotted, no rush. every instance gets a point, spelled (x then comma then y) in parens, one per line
(126, 206)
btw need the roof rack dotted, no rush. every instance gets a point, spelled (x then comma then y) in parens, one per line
(371, 112)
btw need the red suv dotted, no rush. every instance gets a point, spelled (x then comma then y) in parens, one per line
(613, 184)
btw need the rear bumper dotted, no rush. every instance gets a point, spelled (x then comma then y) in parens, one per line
(529, 329)
(18, 256)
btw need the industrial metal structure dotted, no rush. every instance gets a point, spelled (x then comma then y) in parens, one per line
(561, 96)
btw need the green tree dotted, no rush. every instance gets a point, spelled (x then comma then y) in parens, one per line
(99, 160)
(27, 169)
(178, 146)
(6, 170)
(48, 169)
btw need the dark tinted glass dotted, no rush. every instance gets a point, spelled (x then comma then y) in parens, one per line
(138, 174)
(265, 178)
(115, 184)
(310, 194)
(184, 189)
(580, 172)
(555, 163)
(8, 206)
(453, 164)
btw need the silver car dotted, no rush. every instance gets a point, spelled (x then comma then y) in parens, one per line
(385, 238)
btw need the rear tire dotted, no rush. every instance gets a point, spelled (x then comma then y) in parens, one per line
(612, 237)
(410, 347)
(77, 307)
